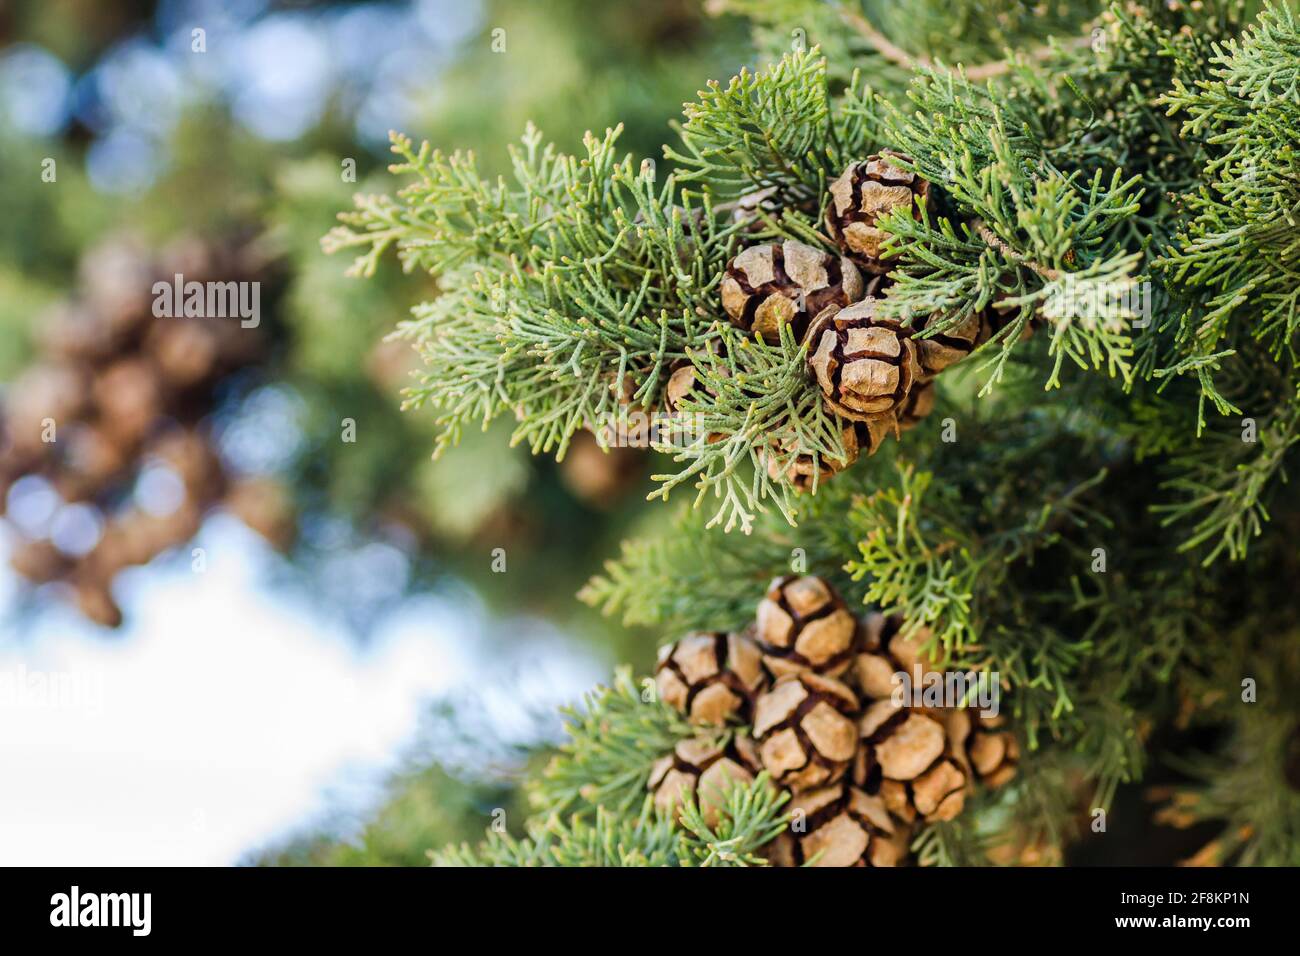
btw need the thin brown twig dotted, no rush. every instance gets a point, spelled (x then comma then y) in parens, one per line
(982, 71)
(993, 240)
(881, 43)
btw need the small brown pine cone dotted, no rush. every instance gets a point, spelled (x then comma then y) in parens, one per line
(185, 350)
(92, 461)
(840, 826)
(684, 385)
(994, 754)
(805, 730)
(681, 386)
(130, 399)
(908, 758)
(748, 210)
(72, 332)
(917, 406)
(937, 352)
(118, 276)
(711, 677)
(600, 477)
(803, 625)
(703, 768)
(857, 437)
(864, 192)
(788, 283)
(48, 393)
(866, 365)
(802, 469)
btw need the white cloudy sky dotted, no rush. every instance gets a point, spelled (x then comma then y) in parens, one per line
(224, 715)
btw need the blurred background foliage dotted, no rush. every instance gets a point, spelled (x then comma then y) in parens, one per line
(246, 147)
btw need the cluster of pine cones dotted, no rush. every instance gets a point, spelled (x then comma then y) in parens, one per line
(872, 371)
(115, 392)
(807, 693)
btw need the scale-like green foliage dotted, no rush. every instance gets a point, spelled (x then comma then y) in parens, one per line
(1088, 512)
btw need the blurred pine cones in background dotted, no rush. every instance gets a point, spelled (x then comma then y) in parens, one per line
(106, 455)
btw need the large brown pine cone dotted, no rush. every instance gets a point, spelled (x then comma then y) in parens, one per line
(710, 677)
(865, 364)
(788, 283)
(914, 759)
(805, 730)
(804, 625)
(704, 768)
(865, 192)
(840, 825)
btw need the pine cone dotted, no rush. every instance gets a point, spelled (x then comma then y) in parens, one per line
(710, 677)
(55, 391)
(680, 387)
(600, 477)
(993, 753)
(866, 365)
(184, 350)
(938, 352)
(91, 462)
(130, 399)
(864, 192)
(787, 283)
(913, 759)
(846, 826)
(684, 385)
(856, 436)
(800, 471)
(703, 767)
(805, 730)
(748, 209)
(804, 625)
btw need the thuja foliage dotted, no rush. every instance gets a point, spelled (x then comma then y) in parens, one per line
(1096, 512)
